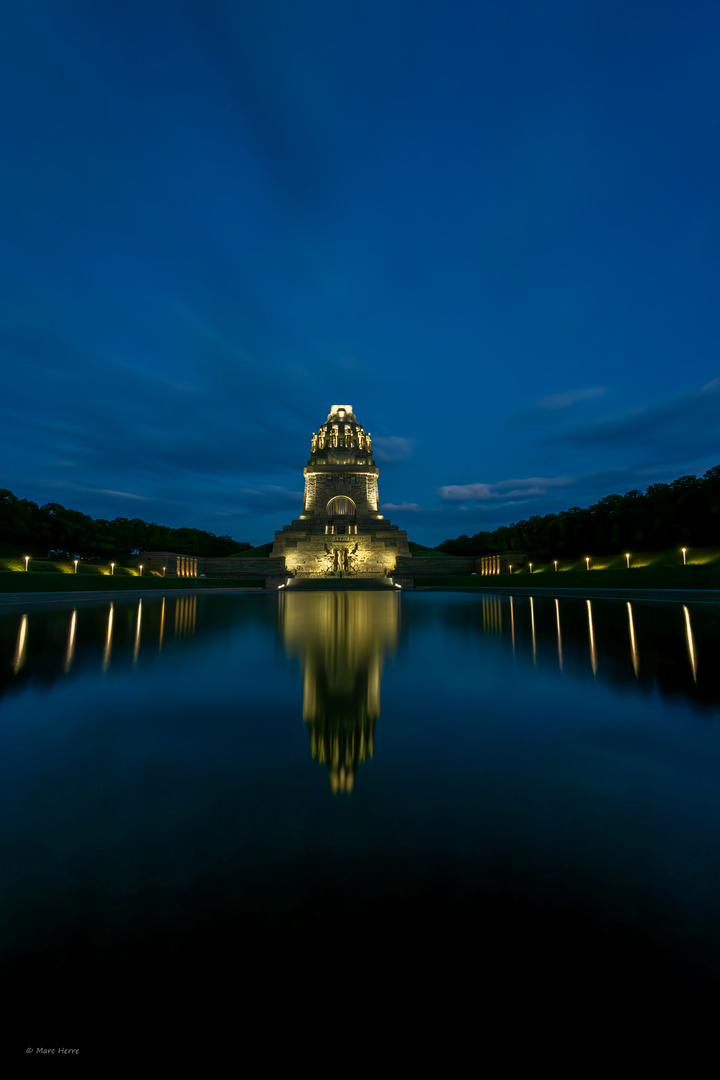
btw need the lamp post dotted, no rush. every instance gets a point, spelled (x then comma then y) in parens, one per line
(27, 560)
(141, 569)
(164, 569)
(76, 565)
(684, 551)
(112, 569)
(510, 568)
(555, 561)
(627, 556)
(531, 568)
(587, 561)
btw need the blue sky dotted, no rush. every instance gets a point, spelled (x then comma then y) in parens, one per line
(493, 228)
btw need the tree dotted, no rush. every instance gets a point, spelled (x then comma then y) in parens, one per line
(686, 510)
(70, 533)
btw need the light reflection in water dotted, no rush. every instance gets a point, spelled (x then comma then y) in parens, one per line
(415, 814)
(185, 615)
(633, 644)
(21, 646)
(492, 615)
(328, 668)
(690, 643)
(532, 624)
(106, 633)
(108, 639)
(593, 652)
(136, 648)
(341, 639)
(70, 650)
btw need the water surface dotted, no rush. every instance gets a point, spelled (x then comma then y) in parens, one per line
(228, 779)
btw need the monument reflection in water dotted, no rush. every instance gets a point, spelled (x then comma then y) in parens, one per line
(341, 640)
(547, 802)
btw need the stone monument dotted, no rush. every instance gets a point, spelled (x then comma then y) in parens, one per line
(341, 532)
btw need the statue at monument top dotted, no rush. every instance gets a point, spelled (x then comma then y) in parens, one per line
(339, 434)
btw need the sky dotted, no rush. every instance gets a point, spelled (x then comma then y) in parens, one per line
(493, 228)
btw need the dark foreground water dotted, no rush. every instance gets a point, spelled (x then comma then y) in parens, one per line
(527, 791)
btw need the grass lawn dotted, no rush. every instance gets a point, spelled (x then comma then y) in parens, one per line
(641, 577)
(44, 582)
(253, 553)
(420, 549)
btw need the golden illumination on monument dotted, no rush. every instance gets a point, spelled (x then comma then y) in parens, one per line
(340, 531)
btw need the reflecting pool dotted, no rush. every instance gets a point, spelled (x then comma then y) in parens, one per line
(207, 780)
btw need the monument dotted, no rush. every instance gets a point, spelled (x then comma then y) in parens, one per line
(340, 539)
(341, 532)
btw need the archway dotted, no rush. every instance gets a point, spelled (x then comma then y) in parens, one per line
(341, 506)
(341, 515)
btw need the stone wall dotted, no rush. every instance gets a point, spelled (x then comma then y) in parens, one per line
(176, 565)
(326, 482)
(417, 566)
(248, 567)
(503, 562)
(376, 554)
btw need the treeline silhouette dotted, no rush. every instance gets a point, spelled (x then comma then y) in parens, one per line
(53, 530)
(684, 511)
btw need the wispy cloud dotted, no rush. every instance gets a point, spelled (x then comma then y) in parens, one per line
(120, 494)
(679, 428)
(402, 506)
(392, 448)
(504, 490)
(548, 408)
(89, 490)
(554, 402)
(511, 500)
(269, 497)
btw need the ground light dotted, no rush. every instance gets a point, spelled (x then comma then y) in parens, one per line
(627, 556)
(555, 561)
(531, 568)
(164, 569)
(141, 569)
(510, 568)
(684, 551)
(27, 560)
(112, 568)
(587, 561)
(76, 565)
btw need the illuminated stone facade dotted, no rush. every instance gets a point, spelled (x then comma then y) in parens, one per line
(503, 562)
(341, 532)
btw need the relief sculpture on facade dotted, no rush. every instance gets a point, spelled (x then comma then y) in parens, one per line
(340, 559)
